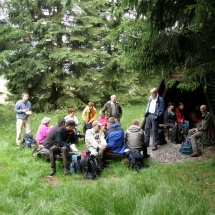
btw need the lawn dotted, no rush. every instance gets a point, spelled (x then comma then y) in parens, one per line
(186, 188)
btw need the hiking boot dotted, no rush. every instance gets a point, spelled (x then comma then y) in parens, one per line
(73, 147)
(154, 148)
(66, 171)
(146, 156)
(52, 172)
(195, 154)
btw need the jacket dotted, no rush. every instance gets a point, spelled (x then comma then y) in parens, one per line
(89, 116)
(134, 137)
(204, 125)
(179, 115)
(107, 110)
(20, 105)
(50, 138)
(115, 139)
(159, 109)
(169, 117)
(42, 132)
(64, 137)
(94, 139)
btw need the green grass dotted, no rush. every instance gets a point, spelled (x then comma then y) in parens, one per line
(187, 188)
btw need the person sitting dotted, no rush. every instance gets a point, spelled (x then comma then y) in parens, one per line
(170, 120)
(50, 138)
(63, 141)
(115, 137)
(134, 138)
(43, 130)
(71, 116)
(88, 115)
(180, 117)
(201, 131)
(102, 119)
(95, 140)
(195, 117)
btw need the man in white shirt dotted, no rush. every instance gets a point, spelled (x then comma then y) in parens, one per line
(95, 140)
(153, 113)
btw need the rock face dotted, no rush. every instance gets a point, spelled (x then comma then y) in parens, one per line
(3, 90)
(169, 153)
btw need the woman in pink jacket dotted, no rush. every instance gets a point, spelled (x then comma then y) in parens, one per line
(43, 130)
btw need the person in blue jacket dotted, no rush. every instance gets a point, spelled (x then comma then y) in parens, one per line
(115, 137)
(153, 114)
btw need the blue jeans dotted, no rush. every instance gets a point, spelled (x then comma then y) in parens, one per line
(174, 130)
(151, 124)
(185, 125)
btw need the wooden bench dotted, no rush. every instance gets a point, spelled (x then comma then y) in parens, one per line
(166, 129)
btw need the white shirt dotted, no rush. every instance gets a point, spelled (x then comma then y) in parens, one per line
(74, 118)
(152, 105)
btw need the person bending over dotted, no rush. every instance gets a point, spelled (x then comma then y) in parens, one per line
(115, 137)
(95, 140)
(134, 138)
(63, 141)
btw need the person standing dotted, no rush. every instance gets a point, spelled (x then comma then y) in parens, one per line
(23, 111)
(88, 115)
(112, 109)
(201, 132)
(153, 114)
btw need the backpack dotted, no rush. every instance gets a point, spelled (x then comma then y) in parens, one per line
(29, 141)
(76, 165)
(135, 159)
(90, 168)
(186, 147)
(161, 137)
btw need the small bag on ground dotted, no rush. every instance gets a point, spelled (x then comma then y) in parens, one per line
(76, 165)
(161, 137)
(29, 141)
(186, 147)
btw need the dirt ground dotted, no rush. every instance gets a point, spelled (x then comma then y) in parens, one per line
(169, 153)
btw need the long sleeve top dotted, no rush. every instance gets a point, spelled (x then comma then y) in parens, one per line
(19, 107)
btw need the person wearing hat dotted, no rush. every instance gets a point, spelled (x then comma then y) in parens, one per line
(23, 111)
(63, 141)
(95, 139)
(88, 115)
(43, 130)
(153, 114)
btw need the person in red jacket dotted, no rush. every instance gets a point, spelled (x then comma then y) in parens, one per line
(180, 117)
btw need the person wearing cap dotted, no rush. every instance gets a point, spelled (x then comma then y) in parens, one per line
(63, 140)
(23, 111)
(115, 137)
(153, 114)
(43, 130)
(112, 109)
(88, 115)
(95, 139)
(50, 138)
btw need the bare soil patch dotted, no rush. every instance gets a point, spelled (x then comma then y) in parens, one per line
(51, 180)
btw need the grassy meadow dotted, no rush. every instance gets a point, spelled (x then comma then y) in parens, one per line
(25, 187)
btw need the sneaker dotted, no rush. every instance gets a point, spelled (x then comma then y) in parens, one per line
(154, 148)
(52, 172)
(195, 154)
(73, 147)
(66, 171)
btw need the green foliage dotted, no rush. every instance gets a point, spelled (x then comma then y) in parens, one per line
(62, 54)
(172, 36)
(175, 189)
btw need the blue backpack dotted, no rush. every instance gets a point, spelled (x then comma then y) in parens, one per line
(76, 165)
(186, 147)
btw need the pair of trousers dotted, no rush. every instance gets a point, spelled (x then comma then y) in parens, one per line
(151, 123)
(185, 125)
(55, 150)
(174, 130)
(20, 123)
(193, 138)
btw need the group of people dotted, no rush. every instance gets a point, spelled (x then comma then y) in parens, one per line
(175, 119)
(105, 133)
